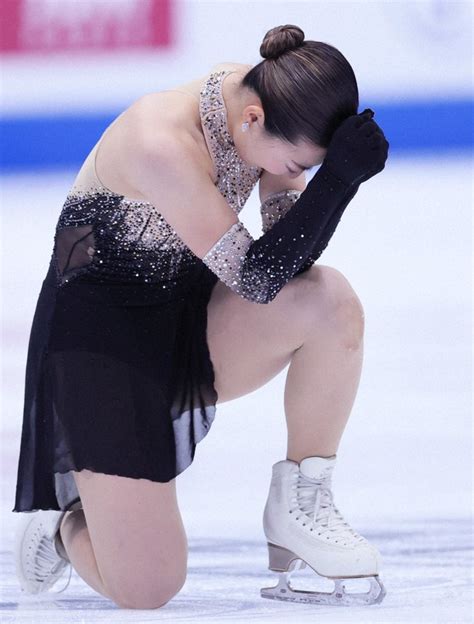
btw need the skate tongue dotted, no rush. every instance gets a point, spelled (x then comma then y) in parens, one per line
(317, 467)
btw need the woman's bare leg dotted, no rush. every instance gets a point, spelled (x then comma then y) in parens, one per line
(316, 324)
(128, 543)
(77, 544)
(323, 379)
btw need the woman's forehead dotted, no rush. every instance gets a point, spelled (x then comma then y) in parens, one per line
(307, 151)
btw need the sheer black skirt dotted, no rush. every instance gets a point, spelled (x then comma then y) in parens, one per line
(118, 380)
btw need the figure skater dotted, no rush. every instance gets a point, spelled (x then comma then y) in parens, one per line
(158, 304)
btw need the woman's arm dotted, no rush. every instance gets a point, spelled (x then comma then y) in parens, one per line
(174, 180)
(276, 205)
(279, 194)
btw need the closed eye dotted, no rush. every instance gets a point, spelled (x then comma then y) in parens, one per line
(301, 169)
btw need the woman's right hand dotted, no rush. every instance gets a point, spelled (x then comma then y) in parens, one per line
(358, 149)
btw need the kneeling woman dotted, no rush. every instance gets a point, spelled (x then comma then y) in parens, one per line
(158, 304)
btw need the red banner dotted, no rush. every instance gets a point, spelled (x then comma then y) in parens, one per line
(44, 26)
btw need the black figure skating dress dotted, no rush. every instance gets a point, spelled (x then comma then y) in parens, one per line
(119, 378)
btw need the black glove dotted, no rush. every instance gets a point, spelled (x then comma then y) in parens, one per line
(326, 234)
(358, 150)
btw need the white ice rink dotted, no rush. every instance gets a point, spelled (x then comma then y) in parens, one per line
(403, 477)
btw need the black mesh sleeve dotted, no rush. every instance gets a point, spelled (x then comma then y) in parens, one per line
(258, 269)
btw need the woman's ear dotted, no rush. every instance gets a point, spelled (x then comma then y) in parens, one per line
(254, 114)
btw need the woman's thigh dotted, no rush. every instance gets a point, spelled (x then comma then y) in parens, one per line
(137, 535)
(250, 343)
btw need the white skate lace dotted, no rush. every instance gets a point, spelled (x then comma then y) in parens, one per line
(315, 500)
(47, 563)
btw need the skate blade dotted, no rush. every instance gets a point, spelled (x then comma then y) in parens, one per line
(339, 597)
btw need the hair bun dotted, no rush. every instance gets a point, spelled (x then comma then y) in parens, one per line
(281, 39)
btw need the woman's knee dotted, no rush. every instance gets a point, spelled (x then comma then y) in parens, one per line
(140, 583)
(331, 300)
(147, 593)
(137, 536)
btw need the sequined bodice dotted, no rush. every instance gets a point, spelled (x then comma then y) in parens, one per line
(103, 235)
(235, 179)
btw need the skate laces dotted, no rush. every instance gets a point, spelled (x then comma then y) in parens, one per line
(48, 563)
(315, 500)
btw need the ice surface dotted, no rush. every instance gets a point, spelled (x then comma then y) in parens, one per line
(403, 477)
(426, 574)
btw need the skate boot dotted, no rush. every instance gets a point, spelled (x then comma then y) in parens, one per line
(40, 558)
(303, 526)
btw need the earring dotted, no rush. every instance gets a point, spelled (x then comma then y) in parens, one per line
(245, 126)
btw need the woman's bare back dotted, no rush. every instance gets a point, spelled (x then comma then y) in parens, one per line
(152, 115)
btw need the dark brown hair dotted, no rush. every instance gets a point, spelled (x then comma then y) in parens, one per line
(307, 88)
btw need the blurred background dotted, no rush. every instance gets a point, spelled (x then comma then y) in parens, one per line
(404, 473)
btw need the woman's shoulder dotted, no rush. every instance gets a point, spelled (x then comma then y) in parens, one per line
(178, 94)
(173, 116)
(156, 121)
(179, 103)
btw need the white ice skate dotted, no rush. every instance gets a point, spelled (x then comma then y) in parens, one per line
(39, 561)
(303, 526)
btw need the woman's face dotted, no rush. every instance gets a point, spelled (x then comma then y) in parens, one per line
(260, 149)
(282, 158)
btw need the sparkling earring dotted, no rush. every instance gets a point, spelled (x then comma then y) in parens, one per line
(245, 126)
